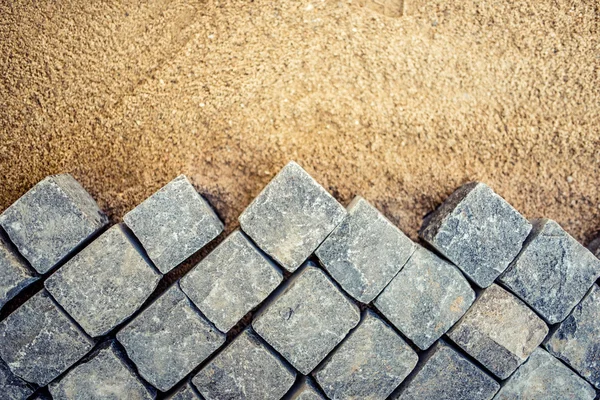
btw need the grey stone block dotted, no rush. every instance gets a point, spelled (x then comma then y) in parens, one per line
(105, 375)
(499, 331)
(186, 392)
(576, 340)
(426, 298)
(478, 231)
(543, 377)
(307, 320)
(11, 386)
(174, 223)
(445, 374)
(169, 339)
(232, 280)
(369, 364)
(291, 216)
(49, 221)
(365, 251)
(553, 272)
(38, 341)
(306, 390)
(15, 275)
(246, 369)
(105, 283)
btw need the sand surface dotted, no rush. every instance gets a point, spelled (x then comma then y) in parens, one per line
(126, 95)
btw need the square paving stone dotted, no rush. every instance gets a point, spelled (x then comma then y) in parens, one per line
(186, 392)
(478, 231)
(105, 283)
(306, 390)
(553, 272)
(174, 223)
(169, 339)
(51, 220)
(308, 319)
(39, 342)
(369, 364)
(11, 386)
(246, 369)
(365, 251)
(445, 374)
(499, 331)
(15, 274)
(543, 377)
(291, 217)
(576, 340)
(105, 375)
(232, 280)
(426, 298)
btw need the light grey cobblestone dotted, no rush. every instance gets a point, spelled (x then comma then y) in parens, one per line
(478, 231)
(52, 219)
(426, 298)
(290, 218)
(365, 251)
(174, 223)
(15, 274)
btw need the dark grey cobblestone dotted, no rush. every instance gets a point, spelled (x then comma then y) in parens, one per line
(11, 386)
(14, 272)
(306, 390)
(186, 392)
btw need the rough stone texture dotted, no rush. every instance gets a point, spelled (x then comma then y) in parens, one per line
(306, 390)
(12, 387)
(576, 341)
(445, 374)
(15, 275)
(186, 392)
(232, 280)
(169, 339)
(499, 330)
(426, 298)
(553, 272)
(246, 369)
(105, 283)
(478, 231)
(365, 251)
(174, 223)
(594, 247)
(104, 376)
(307, 320)
(39, 342)
(369, 364)
(291, 216)
(543, 377)
(49, 221)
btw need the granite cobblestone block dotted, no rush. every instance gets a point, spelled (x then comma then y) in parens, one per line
(290, 218)
(51, 220)
(369, 364)
(186, 392)
(174, 223)
(478, 231)
(104, 376)
(307, 320)
(245, 369)
(576, 340)
(15, 274)
(499, 331)
(11, 386)
(365, 251)
(445, 374)
(169, 339)
(38, 341)
(426, 298)
(306, 390)
(553, 272)
(105, 283)
(232, 280)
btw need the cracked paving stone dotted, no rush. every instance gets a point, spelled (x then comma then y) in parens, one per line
(290, 218)
(105, 283)
(174, 223)
(478, 231)
(39, 342)
(499, 331)
(307, 320)
(11, 386)
(51, 220)
(15, 274)
(553, 272)
(365, 251)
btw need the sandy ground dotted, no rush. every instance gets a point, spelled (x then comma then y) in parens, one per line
(125, 95)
